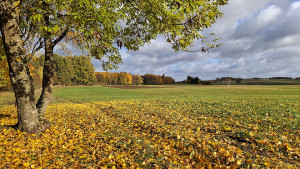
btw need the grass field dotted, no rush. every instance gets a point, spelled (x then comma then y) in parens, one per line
(179, 126)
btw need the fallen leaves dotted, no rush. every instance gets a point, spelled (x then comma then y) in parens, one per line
(157, 134)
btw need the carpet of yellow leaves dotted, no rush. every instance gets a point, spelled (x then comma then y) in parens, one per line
(151, 134)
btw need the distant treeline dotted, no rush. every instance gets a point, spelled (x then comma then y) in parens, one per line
(257, 78)
(123, 78)
(151, 79)
(114, 78)
(251, 81)
(223, 80)
(78, 70)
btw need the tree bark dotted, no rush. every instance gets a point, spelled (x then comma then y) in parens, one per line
(48, 73)
(21, 80)
(46, 95)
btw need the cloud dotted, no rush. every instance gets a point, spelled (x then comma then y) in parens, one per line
(269, 15)
(261, 39)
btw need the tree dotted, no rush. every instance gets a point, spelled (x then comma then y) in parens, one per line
(101, 78)
(167, 79)
(151, 79)
(129, 78)
(22, 83)
(101, 28)
(238, 80)
(137, 80)
(64, 70)
(77, 70)
(122, 80)
(193, 80)
(84, 71)
(188, 79)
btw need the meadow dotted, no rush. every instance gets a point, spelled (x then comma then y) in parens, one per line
(174, 126)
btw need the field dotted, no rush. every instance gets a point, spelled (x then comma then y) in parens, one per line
(176, 126)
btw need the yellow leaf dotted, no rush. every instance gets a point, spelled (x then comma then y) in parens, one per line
(26, 164)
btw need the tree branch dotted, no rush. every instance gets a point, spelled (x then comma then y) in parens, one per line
(203, 50)
(29, 33)
(21, 1)
(34, 49)
(60, 37)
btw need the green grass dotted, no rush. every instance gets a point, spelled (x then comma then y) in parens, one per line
(96, 93)
(84, 94)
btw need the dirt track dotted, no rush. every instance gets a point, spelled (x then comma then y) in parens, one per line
(133, 87)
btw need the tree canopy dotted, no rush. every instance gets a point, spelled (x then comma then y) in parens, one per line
(100, 28)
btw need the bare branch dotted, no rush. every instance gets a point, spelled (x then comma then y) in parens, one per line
(35, 48)
(203, 50)
(29, 33)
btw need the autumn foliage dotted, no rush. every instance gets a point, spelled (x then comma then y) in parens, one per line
(122, 78)
(151, 79)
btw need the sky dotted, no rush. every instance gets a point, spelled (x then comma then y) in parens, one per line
(261, 38)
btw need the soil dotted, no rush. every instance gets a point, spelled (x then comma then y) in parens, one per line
(133, 87)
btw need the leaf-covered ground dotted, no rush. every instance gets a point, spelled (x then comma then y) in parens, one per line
(236, 132)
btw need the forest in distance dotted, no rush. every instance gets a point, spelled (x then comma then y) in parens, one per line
(78, 70)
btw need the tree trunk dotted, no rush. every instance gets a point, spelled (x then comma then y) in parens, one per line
(22, 82)
(48, 73)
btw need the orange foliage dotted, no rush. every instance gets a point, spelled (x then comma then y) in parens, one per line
(122, 78)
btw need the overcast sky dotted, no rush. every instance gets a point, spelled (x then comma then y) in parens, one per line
(261, 39)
